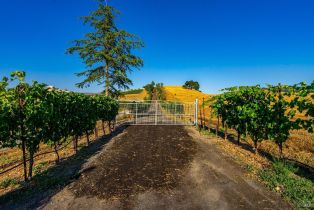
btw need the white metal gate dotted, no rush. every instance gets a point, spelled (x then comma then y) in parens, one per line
(158, 112)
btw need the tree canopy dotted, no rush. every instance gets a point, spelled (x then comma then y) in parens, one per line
(192, 85)
(107, 52)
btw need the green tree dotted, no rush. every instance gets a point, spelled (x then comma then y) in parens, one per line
(192, 85)
(107, 52)
(150, 88)
(160, 91)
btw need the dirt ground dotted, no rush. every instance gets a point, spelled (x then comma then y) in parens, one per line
(163, 167)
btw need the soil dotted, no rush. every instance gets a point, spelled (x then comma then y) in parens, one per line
(144, 158)
(163, 167)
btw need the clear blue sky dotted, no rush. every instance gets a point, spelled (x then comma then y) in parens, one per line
(219, 43)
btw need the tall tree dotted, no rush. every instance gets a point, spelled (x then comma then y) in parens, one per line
(107, 51)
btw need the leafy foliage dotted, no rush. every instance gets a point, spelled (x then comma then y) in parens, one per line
(192, 85)
(155, 91)
(31, 114)
(266, 113)
(107, 52)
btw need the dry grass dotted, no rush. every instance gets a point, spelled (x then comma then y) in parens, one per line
(41, 163)
(299, 146)
(178, 93)
(173, 93)
(134, 97)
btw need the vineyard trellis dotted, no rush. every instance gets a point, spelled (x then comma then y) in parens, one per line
(34, 114)
(158, 112)
(265, 113)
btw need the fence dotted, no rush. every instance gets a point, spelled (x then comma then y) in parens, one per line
(158, 112)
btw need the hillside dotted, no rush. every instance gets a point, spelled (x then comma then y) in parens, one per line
(134, 97)
(173, 93)
(178, 93)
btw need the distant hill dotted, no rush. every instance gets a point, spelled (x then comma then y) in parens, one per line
(173, 93)
(178, 93)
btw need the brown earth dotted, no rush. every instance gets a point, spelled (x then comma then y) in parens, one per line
(163, 167)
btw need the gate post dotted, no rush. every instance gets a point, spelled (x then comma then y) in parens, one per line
(156, 112)
(175, 112)
(136, 113)
(196, 112)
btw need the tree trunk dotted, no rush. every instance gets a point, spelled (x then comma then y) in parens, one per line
(113, 125)
(107, 80)
(96, 132)
(201, 118)
(31, 163)
(280, 150)
(103, 127)
(75, 140)
(21, 119)
(57, 154)
(255, 146)
(24, 160)
(87, 138)
(226, 131)
(239, 138)
(109, 125)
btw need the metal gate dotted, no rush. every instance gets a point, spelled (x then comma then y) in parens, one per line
(158, 112)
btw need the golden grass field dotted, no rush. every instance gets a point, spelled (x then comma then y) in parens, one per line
(173, 93)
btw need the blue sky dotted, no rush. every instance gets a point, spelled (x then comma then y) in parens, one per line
(219, 43)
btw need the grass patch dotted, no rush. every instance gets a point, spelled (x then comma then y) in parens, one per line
(282, 177)
(205, 132)
(8, 182)
(4, 160)
(39, 168)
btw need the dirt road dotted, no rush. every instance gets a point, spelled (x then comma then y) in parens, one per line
(163, 167)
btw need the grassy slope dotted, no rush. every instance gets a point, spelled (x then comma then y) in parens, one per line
(134, 97)
(173, 93)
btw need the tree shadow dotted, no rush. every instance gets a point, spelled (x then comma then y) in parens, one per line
(35, 193)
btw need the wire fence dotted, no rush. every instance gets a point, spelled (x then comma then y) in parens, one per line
(157, 112)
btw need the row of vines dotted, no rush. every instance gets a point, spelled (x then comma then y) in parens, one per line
(265, 113)
(34, 114)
